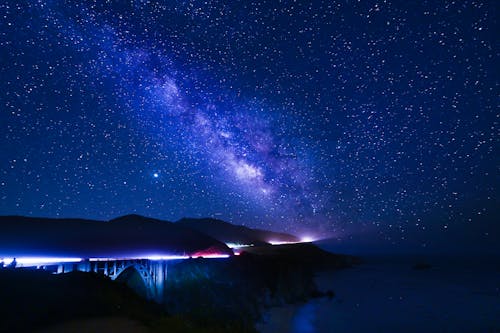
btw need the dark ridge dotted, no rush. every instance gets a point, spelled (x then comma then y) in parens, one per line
(130, 235)
(230, 233)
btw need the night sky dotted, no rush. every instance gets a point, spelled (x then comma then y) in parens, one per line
(361, 120)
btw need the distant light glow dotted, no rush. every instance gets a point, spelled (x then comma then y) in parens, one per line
(37, 261)
(237, 245)
(307, 239)
(304, 239)
(156, 175)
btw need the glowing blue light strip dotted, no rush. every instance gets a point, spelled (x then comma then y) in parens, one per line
(213, 256)
(37, 261)
(164, 257)
(40, 261)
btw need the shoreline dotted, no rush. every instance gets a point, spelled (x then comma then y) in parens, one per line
(297, 317)
(385, 296)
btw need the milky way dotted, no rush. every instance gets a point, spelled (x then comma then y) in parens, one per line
(327, 118)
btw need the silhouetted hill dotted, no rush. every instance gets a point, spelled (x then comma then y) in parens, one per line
(304, 255)
(230, 233)
(130, 235)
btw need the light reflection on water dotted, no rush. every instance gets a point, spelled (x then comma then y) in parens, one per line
(303, 321)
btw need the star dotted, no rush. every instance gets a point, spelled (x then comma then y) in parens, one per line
(300, 118)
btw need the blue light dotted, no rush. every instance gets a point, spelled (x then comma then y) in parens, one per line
(37, 261)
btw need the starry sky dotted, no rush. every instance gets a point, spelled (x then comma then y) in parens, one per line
(362, 120)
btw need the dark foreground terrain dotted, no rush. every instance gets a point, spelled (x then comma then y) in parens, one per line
(202, 295)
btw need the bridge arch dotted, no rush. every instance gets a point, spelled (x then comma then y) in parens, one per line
(145, 276)
(132, 277)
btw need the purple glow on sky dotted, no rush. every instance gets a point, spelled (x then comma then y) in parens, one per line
(333, 119)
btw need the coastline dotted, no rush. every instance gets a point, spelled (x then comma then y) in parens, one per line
(384, 296)
(297, 317)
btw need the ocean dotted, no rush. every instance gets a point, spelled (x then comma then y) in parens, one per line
(386, 294)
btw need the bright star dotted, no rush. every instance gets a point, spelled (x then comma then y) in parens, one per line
(156, 175)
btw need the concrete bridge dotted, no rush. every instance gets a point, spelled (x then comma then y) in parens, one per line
(153, 273)
(152, 270)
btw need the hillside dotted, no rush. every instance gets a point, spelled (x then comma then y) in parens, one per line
(230, 233)
(130, 235)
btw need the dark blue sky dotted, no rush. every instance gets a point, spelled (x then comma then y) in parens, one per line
(373, 120)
